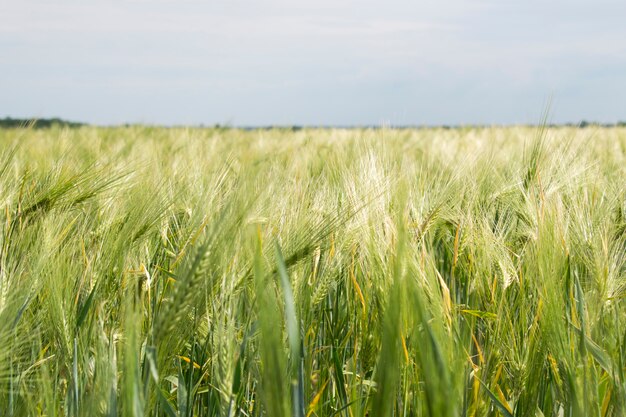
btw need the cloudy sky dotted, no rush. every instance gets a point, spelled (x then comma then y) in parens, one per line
(331, 62)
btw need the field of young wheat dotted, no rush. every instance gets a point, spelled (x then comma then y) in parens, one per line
(351, 273)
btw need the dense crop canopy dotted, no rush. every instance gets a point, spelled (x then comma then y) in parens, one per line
(219, 272)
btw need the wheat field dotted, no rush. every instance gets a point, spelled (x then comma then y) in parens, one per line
(152, 271)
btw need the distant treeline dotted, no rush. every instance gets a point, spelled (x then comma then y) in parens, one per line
(585, 123)
(581, 124)
(9, 122)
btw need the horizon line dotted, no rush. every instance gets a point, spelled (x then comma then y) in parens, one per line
(11, 122)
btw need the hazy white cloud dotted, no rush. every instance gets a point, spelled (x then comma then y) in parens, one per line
(279, 61)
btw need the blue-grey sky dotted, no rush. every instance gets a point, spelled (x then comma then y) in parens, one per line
(331, 62)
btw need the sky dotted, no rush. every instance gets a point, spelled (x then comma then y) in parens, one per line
(323, 62)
